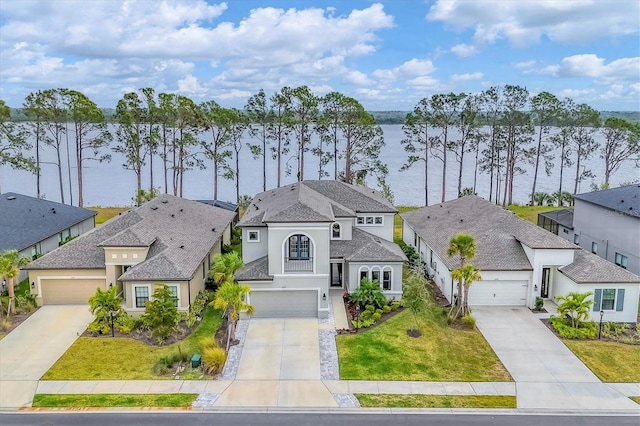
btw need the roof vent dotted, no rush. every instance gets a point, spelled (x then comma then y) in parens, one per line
(11, 198)
(622, 201)
(181, 209)
(259, 200)
(173, 215)
(154, 207)
(213, 229)
(53, 211)
(428, 217)
(164, 201)
(256, 207)
(461, 221)
(182, 246)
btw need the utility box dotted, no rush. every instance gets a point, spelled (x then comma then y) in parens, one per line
(195, 361)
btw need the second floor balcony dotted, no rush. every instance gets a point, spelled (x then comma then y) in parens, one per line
(295, 264)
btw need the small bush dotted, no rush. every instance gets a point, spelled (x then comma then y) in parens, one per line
(395, 305)
(207, 343)
(386, 309)
(191, 320)
(370, 308)
(539, 303)
(160, 369)
(167, 361)
(125, 324)
(376, 316)
(366, 315)
(200, 303)
(5, 324)
(588, 330)
(379, 311)
(469, 321)
(213, 360)
(368, 293)
(614, 330)
(179, 356)
(368, 323)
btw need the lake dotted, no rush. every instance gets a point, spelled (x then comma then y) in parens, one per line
(109, 184)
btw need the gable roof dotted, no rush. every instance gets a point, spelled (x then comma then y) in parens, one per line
(498, 233)
(25, 221)
(313, 201)
(625, 199)
(588, 268)
(366, 247)
(178, 232)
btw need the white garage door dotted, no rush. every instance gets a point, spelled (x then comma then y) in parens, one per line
(511, 293)
(69, 291)
(285, 303)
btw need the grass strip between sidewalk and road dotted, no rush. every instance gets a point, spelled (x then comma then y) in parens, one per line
(635, 398)
(114, 400)
(435, 401)
(612, 362)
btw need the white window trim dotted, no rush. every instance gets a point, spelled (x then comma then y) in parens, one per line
(363, 268)
(615, 299)
(373, 269)
(339, 237)
(594, 245)
(177, 286)
(312, 251)
(615, 260)
(134, 300)
(384, 269)
(373, 218)
(257, 232)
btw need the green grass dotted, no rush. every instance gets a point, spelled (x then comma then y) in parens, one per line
(121, 358)
(106, 213)
(397, 224)
(635, 398)
(436, 401)
(531, 213)
(612, 362)
(114, 400)
(442, 353)
(21, 290)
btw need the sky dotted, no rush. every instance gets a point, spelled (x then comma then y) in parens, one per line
(386, 54)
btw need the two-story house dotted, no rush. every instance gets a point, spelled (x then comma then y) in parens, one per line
(605, 223)
(519, 261)
(167, 240)
(300, 240)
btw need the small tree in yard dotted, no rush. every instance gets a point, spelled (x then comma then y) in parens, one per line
(416, 299)
(467, 274)
(10, 264)
(225, 266)
(463, 245)
(101, 305)
(231, 298)
(369, 293)
(160, 313)
(576, 307)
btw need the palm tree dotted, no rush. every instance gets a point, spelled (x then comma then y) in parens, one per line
(10, 264)
(576, 306)
(463, 245)
(106, 306)
(467, 274)
(224, 267)
(231, 299)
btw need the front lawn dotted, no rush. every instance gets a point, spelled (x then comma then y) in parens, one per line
(442, 353)
(530, 213)
(636, 399)
(612, 362)
(122, 358)
(397, 225)
(106, 213)
(436, 401)
(114, 400)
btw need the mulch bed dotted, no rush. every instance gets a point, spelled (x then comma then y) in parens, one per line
(16, 320)
(628, 337)
(351, 315)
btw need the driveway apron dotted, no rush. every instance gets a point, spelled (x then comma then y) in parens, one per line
(279, 366)
(546, 372)
(34, 346)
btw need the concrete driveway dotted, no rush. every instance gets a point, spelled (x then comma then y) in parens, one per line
(34, 346)
(279, 366)
(546, 372)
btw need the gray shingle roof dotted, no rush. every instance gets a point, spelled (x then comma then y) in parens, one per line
(313, 201)
(258, 270)
(25, 221)
(564, 217)
(179, 232)
(497, 233)
(590, 268)
(625, 199)
(365, 247)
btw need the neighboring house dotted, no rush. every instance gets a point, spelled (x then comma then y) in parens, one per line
(606, 223)
(300, 240)
(519, 261)
(34, 226)
(167, 240)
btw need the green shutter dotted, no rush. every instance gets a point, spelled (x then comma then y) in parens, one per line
(620, 300)
(597, 296)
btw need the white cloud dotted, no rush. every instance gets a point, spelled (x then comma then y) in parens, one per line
(412, 68)
(464, 50)
(467, 76)
(525, 22)
(525, 64)
(590, 65)
(234, 94)
(358, 78)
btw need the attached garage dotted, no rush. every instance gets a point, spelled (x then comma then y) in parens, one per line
(284, 303)
(498, 292)
(69, 291)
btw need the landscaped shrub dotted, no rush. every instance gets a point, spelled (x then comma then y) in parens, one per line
(614, 330)
(160, 314)
(386, 309)
(539, 303)
(5, 323)
(105, 305)
(376, 316)
(125, 324)
(587, 330)
(469, 321)
(369, 293)
(213, 360)
(395, 305)
(199, 303)
(370, 308)
(191, 320)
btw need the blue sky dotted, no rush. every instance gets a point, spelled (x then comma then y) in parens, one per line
(386, 54)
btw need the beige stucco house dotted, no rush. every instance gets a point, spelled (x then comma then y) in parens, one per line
(167, 240)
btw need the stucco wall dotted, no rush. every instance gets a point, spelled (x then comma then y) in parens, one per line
(542, 258)
(383, 231)
(252, 250)
(318, 234)
(36, 277)
(353, 277)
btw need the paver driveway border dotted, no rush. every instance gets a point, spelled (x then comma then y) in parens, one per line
(546, 372)
(34, 346)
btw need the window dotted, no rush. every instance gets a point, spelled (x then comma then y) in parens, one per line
(253, 236)
(576, 239)
(134, 255)
(142, 295)
(114, 256)
(174, 292)
(375, 275)
(594, 247)
(415, 240)
(124, 255)
(299, 247)
(364, 273)
(621, 260)
(34, 253)
(360, 221)
(608, 299)
(378, 220)
(370, 220)
(336, 231)
(386, 279)
(565, 230)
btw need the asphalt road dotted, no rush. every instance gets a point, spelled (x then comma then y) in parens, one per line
(303, 419)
